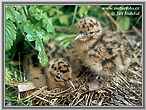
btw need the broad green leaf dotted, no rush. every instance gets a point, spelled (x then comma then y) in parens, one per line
(40, 34)
(28, 27)
(30, 37)
(44, 22)
(83, 11)
(36, 12)
(50, 27)
(10, 34)
(43, 59)
(52, 11)
(20, 17)
(64, 19)
(123, 23)
(14, 15)
(46, 8)
(46, 37)
(9, 13)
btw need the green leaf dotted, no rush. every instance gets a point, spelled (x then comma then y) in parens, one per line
(46, 37)
(28, 27)
(83, 11)
(52, 11)
(30, 37)
(10, 34)
(64, 19)
(14, 15)
(20, 17)
(47, 24)
(36, 12)
(46, 8)
(123, 23)
(9, 13)
(43, 59)
(50, 27)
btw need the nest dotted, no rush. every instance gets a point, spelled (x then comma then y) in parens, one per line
(125, 89)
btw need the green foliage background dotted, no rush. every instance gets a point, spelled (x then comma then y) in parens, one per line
(32, 25)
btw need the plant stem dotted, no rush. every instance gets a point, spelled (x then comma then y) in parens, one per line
(74, 16)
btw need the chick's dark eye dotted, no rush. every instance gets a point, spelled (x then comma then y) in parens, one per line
(91, 32)
(81, 32)
(104, 62)
(98, 77)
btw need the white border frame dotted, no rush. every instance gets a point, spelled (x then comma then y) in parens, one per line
(74, 3)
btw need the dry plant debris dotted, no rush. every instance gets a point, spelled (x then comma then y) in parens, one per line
(124, 91)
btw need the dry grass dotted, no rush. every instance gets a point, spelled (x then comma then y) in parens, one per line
(125, 89)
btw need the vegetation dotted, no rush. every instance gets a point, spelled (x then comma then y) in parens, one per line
(27, 27)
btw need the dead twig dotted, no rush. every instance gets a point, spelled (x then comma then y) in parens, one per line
(111, 18)
(101, 101)
(137, 31)
(79, 101)
(42, 98)
(134, 72)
